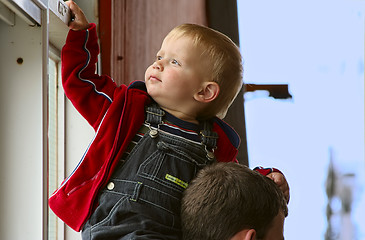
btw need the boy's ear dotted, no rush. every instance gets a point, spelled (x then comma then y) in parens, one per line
(208, 93)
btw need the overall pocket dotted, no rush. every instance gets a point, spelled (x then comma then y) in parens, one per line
(171, 167)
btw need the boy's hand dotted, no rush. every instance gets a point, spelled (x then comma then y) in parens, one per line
(78, 20)
(280, 180)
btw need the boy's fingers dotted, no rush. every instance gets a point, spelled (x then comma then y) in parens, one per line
(71, 6)
(279, 179)
(78, 20)
(75, 10)
(286, 191)
(286, 194)
(276, 177)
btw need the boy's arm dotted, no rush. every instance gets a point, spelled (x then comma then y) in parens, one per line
(278, 177)
(90, 93)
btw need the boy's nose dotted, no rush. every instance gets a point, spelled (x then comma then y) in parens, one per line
(158, 65)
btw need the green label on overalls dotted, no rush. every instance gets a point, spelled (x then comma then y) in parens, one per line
(176, 181)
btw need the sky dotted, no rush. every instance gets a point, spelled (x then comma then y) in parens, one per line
(317, 48)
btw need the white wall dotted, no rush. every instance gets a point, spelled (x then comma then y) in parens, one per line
(77, 138)
(20, 131)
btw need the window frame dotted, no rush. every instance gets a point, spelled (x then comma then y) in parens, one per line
(54, 55)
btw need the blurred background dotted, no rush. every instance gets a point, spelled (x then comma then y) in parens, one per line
(316, 137)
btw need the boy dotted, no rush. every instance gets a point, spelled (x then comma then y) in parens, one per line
(151, 137)
(228, 201)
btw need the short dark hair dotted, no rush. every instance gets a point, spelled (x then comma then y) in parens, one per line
(226, 198)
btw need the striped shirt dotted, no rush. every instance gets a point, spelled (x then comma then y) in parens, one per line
(172, 125)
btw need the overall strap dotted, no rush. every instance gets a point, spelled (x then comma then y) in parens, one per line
(155, 115)
(209, 138)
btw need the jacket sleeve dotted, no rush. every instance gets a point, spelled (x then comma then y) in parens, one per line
(266, 171)
(90, 93)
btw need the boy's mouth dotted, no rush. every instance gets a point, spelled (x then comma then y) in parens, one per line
(154, 78)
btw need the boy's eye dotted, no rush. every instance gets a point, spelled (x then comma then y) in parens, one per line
(158, 58)
(174, 61)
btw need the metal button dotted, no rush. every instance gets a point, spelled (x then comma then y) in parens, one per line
(110, 186)
(210, 155)
(153, 133)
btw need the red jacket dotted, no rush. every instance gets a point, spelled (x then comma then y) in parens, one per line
(116, 114)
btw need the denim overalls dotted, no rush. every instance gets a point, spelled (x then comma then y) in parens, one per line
(143, 197)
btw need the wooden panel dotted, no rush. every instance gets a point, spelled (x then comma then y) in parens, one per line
(118, 57)
(222, 16)
(145, 25)
(105, 22)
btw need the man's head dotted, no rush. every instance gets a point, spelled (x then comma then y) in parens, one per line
(216, 62)
(228, 201)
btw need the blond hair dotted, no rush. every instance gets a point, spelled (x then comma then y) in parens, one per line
(225, 64)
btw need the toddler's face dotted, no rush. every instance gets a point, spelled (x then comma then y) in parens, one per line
(177, 74)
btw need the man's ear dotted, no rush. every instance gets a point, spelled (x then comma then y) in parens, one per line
(245, 234)
(251, 234)
(208, 93)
